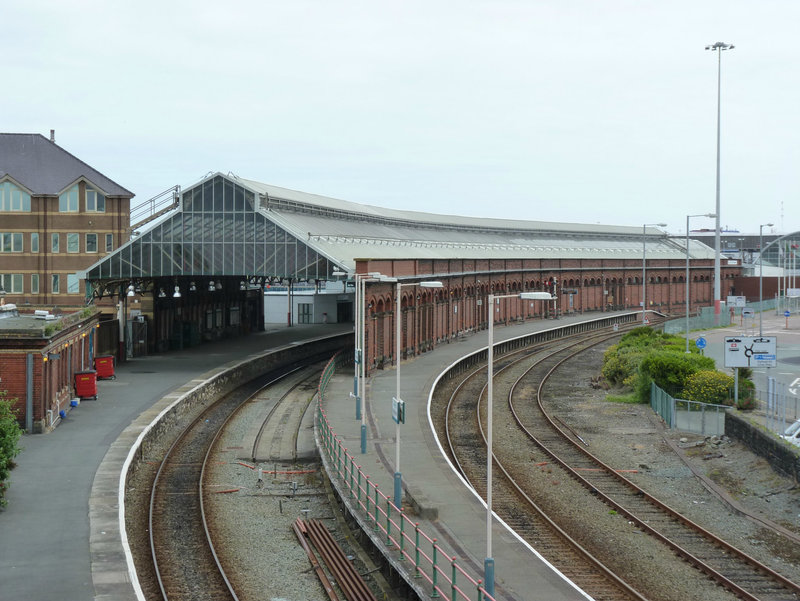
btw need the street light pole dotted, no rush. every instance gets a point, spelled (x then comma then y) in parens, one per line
(761, 276)
(644, 269)
(398, 477)
(488, 563)
(687, 272)
(360, 333)
(718, 47)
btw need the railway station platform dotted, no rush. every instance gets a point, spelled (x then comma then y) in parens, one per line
(47, 550)
(450, 513)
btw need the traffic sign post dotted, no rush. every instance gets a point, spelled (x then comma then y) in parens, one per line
(700, 343)
(786, 315)
(748, 351)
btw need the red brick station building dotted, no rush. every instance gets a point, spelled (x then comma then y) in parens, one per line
(199, 270)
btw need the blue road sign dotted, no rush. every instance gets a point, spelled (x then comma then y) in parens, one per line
(700, 342)
(786, 313)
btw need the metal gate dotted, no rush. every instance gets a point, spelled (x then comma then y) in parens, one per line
(136, 339)
(304, 312)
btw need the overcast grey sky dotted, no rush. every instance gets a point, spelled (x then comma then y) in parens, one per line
(581, 111)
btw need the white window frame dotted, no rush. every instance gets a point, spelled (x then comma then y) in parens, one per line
(16, 243)
(88, 236)
(34, 242)
(55, 284)
(73, 243)
(109, 242)
(34, 283)
(13, 283)
(91, 201)
(73, 284)
(13, 198)
(55, 243)
(69, 200)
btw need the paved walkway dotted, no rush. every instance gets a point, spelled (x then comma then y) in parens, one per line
(788, 338)
(45, 547)
(461, 523)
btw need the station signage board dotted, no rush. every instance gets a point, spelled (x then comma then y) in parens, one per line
(749, 351)
(737, 301)
(398, 410)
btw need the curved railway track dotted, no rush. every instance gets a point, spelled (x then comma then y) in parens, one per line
(467, 449)
(185, 562)
(538, 431)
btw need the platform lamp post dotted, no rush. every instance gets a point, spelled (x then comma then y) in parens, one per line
(359, 318)
(687, 272)
(398, 406)
(718, 47)
(644, 268)
(761, 276)
(361, 399)
(488, 563)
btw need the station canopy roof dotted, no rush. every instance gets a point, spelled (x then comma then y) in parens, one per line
(226, 225)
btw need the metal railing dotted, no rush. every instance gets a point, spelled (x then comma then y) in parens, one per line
(155, 207)
(778, 403)
(431, 564)
(690, 416)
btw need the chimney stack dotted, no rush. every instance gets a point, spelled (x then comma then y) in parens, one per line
(53, 136)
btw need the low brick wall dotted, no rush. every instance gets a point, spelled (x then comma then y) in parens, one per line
(782, 456)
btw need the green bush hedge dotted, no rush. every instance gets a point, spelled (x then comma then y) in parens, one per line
(669, 370)
(709, 387)
(645, 355)
(10, 433)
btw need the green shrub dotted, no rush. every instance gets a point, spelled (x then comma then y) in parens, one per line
(669, 370)
(709, 386)
(644, 355)
(10, 433)
(747, 392)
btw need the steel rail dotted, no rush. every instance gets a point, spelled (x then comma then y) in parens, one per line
(505, 361)
(343, 571)
(272, 410)
(643, 523)
(613, 579)
(237, 403)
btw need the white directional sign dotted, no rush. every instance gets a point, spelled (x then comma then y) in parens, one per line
(748, 351)
(398, 410)
(737, 301)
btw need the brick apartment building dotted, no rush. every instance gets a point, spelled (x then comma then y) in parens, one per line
(58, 216)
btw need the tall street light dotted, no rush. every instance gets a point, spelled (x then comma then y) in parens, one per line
(761, 276)
(644, 269)
(687, 272)
(718, 47)
(398, 406)
(488, 563)
(360, 333)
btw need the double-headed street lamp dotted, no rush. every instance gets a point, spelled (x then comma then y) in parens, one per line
(360, 318)
(687, 272)
(761, 276)
(488, 563)
(718, 47)
(398, 406)
(644, 268)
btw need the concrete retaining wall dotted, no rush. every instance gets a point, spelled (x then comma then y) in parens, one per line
(781, 455)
